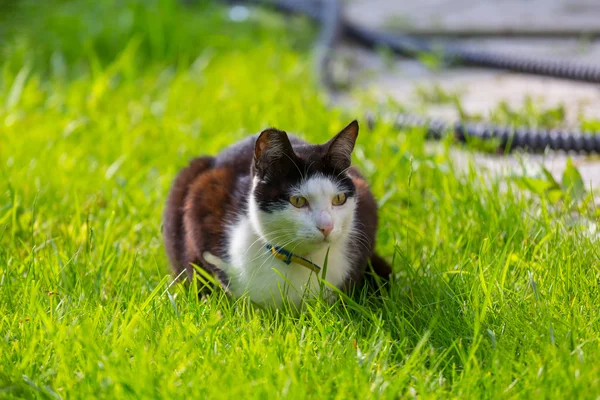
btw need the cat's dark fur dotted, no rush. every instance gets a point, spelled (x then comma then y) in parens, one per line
(212, 193)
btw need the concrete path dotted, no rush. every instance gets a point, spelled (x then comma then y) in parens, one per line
(482, 16)
(482, 90)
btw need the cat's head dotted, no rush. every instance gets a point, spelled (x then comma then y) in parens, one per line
(302, 198)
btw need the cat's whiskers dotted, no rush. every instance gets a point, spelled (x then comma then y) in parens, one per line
(270, 256)
(295, 247)
(262, 252)
(302, 177)
(303, 180)
(255, 271)
(357, 231)
(275, 241)
(343, 171)
(278, 231)
(362, 239)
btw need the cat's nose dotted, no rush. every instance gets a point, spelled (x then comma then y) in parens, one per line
(326, 231)
(325, 224)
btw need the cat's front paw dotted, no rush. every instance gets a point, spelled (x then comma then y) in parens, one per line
(214, 260)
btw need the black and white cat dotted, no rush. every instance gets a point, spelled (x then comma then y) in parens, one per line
(263, 215)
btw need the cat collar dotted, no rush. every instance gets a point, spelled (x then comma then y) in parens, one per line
(288, 258)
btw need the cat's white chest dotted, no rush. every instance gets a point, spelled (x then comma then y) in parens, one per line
(254, 271)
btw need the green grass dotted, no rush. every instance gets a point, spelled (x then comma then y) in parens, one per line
(495, 293)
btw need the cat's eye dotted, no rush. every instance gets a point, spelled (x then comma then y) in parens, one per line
(298, 201)
(339, 199)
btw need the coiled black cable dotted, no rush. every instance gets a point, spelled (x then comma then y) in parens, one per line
(535, 140)
(328, 13)
(533, 66)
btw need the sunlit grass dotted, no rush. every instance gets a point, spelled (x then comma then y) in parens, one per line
(495, 295)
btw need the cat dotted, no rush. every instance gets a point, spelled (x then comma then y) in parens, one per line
(263, 215)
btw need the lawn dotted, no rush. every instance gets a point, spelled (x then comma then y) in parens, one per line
(495, 293)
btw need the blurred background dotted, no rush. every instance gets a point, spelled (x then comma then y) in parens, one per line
(550, 29)
(72, 38)
(565, 30)
(57, 34)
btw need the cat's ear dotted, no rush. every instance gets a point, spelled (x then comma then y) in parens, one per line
(272, 149)
(341, 146)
